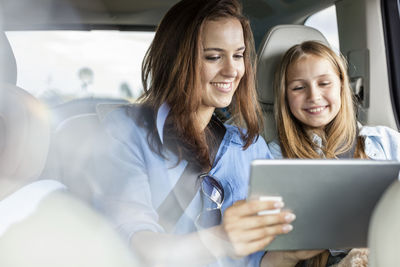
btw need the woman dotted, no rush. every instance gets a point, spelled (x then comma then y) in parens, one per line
(200, 59)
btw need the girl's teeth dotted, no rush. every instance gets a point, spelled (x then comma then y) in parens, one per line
(314, 110)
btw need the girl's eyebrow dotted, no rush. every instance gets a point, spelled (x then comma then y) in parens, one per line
(221, 50)
(318, 76)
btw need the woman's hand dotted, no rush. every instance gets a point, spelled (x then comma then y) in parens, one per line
(249, 232)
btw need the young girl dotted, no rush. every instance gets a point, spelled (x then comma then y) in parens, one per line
(315, 113)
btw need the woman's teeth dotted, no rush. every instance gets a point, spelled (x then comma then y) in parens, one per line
(222, 85)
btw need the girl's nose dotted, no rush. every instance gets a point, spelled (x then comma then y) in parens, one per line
(314, 93)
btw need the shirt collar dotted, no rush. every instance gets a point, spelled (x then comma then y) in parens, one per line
(162, 114)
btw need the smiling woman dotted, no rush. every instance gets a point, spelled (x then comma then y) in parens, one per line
(171, 143)
(222, 65)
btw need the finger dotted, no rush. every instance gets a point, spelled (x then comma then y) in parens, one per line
(251, 207)
(260, 233)
(258, 221)
(245, 249)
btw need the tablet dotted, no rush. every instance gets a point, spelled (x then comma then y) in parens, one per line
(332, 199)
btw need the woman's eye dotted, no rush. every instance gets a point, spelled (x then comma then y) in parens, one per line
(212, 58)
(238, 56)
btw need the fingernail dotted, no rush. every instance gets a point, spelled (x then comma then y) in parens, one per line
(287, 228)
(290, 217)
(278, 204)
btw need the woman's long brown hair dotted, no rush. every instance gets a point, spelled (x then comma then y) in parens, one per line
(170, 74)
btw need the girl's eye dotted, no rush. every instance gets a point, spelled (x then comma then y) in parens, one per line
(325, 83)
(212, 58)
(299, 87)
(238, 56)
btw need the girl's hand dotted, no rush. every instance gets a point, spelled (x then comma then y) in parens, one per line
(357, 257)
(287, 258)
(249, 232)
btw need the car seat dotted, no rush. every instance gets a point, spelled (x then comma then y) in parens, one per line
(384, 229)
(275, 43)
(59, 230)
(24, 128)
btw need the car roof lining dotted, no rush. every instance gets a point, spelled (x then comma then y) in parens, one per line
(123, 14)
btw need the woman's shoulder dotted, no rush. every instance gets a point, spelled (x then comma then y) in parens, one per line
(126, 120)
(257, 150)
(235, 133)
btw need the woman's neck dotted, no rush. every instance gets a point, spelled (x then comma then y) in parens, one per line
(203, 116)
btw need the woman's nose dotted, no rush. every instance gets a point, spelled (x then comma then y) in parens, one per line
(229, 68)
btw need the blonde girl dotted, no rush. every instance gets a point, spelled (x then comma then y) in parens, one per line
(315, 113)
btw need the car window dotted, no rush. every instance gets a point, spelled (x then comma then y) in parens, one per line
(325, 21)
(58, 66)
(391, 16)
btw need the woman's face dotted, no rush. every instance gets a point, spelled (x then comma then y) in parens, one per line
(313, 91)
(222, 63)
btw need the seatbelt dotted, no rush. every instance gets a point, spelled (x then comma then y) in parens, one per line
(188, 183)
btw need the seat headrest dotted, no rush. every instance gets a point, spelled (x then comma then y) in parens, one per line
(383, 233)
(8, 65)
(276, 42)
(24, 138)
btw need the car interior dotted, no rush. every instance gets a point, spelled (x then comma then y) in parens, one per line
(43, 125)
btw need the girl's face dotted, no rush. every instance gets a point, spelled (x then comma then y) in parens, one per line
(222, 63)
(313, 91)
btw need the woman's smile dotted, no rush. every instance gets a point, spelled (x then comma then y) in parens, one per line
(224, 87)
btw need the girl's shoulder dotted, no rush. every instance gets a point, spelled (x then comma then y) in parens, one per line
(380, 132)
(275, 148)
(377, 131)
(381, 142)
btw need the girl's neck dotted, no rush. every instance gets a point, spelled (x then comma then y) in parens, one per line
(315, 131)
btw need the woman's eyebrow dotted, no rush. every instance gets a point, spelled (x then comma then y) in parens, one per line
(220, 49)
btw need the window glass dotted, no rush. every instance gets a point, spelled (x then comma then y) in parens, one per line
(325, 21)
(57, 66)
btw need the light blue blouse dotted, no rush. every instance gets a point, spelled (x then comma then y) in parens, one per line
(133, 181)
(381, 143)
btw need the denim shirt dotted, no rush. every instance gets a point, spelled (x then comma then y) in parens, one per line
(133, 180)
(381, 143)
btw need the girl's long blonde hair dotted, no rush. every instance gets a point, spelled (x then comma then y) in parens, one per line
(340, 134)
